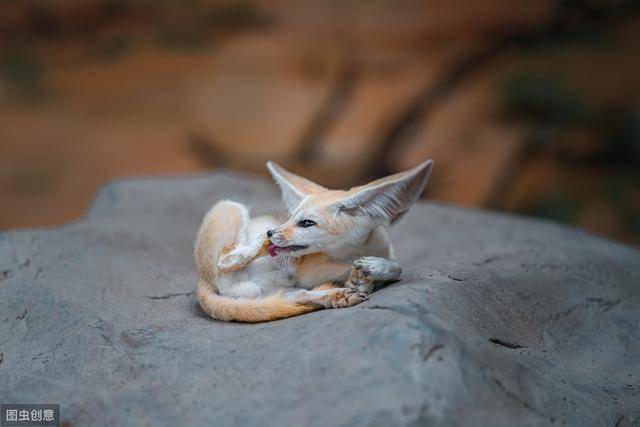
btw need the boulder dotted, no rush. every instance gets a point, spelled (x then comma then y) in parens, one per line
(498, 320)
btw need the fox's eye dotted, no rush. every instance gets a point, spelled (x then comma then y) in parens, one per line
(306, 223)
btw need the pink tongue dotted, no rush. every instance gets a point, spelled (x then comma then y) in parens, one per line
(272, 249)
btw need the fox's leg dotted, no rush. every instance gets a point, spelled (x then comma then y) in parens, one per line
(326, 296)
(368, 271)
(222, 244)
(223, 228)
(233, 218)
(243, 254)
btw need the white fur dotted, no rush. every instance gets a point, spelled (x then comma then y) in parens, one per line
(362, 239)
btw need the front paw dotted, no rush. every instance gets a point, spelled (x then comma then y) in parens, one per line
(345, 297)
(378, 269)
(367, 271)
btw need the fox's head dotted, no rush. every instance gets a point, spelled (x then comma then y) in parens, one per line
(331, 221)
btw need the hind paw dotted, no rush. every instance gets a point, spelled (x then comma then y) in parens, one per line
(232, 261)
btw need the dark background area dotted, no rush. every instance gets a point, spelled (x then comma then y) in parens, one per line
(527, 107)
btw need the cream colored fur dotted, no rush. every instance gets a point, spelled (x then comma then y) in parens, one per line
(333, 263)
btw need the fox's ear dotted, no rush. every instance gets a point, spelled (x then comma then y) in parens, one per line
(387, 199)
(294, 188)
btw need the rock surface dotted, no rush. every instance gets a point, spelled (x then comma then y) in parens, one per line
(498, 319)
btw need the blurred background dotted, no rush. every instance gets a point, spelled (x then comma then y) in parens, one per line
(530, 107)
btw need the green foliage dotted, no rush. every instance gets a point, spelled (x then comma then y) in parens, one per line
(114, 46)
(555, 207)
(633, 225)
(620, 127)
(238, 14)
(551, 105)
(181, 36)
(22, 73)
(542, 99)
(191, 26)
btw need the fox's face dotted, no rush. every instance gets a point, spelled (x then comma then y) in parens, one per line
(318, 225)
(331, 221)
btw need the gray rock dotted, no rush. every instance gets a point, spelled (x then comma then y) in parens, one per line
(498, 320)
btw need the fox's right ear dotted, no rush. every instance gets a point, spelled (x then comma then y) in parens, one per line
(386, 200)
(294, 188)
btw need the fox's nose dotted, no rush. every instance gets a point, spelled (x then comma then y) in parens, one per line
(270, 233)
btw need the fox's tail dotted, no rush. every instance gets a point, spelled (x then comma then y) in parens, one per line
(250, 310)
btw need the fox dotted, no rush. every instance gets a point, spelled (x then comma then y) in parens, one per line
(330, 249)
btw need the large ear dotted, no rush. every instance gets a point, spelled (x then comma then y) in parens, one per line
(294, 188)
(387, 199)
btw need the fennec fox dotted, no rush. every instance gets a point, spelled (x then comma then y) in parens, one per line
(329, 253)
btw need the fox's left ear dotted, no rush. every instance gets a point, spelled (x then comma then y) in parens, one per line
(387, 199)
(293, 187)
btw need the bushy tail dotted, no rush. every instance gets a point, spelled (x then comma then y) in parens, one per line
(250, 310)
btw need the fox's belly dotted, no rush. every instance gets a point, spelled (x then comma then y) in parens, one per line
(264, 276)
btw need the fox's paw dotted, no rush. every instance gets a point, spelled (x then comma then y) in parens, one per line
(232, 261)
(367, 271)
(345, 297)
(377, 269)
